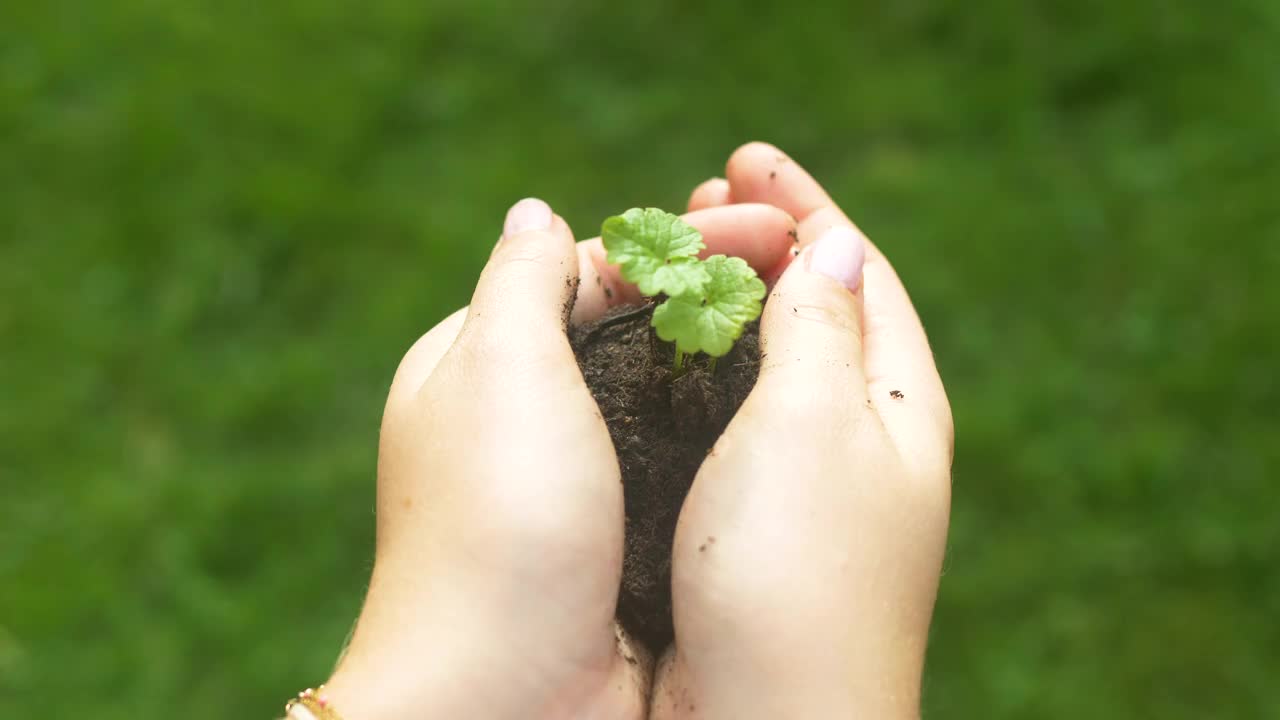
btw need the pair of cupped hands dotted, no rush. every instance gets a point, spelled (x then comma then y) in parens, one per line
(809, 549)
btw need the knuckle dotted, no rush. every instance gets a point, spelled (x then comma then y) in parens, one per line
(826, 303)
(825, 314)
(801, 401)
(525, 254)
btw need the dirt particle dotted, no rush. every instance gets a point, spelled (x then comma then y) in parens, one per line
(896, 394)
(572, 284)
(608, 292)
(795, 236)
(795, 252)
(599, 281)
(702, 547)
(773, 174)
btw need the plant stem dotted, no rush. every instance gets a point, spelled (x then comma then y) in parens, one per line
(712, 367)
(679, 360)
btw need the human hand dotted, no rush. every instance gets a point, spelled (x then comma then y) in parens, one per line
(809, 549)
(500, 519)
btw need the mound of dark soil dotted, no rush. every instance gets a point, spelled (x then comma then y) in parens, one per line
(662, 428)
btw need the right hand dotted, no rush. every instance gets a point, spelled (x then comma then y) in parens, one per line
(809, 549)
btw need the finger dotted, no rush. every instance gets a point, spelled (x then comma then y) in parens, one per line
(760, 172)
(760, 234)
(711, 193)
(425, 354)
(902, 379)
(811, 332)
(527, 287)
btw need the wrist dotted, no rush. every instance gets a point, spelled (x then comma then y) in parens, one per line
(387, 687)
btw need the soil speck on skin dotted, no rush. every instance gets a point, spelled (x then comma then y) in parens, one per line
(572, 284)
(896, 394)
(773, 174)
(662, 429)
(795, 236)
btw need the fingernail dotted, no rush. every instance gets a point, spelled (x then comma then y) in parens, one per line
(838, 254)
(528, 214)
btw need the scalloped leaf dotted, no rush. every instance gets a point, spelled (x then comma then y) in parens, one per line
(655, 250)
(711, 321)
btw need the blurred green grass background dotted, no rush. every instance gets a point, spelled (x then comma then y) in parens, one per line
(221, 223)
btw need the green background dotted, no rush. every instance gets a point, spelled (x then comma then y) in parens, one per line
(221, 223)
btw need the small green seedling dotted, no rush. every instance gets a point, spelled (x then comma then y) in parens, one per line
(708, 302)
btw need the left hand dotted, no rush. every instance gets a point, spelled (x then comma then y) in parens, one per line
(500, 517)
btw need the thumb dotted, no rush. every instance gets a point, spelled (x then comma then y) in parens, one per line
(811, 333)
(526, 291)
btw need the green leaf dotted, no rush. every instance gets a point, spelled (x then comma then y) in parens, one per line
(655, 250)
(712, 320)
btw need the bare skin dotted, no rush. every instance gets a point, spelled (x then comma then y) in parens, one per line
(808, 553)
(500, 521)
(827, 497)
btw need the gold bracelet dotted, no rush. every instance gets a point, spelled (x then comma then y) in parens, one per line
(315, 703)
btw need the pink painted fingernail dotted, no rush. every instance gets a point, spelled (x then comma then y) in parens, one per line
(528, 214)
(838, 254)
